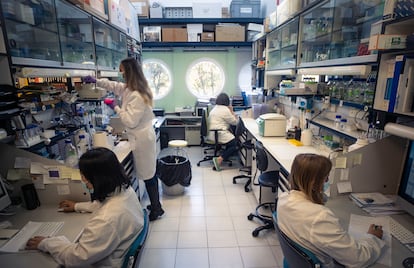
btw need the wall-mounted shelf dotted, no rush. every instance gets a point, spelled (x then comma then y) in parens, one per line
(327, 125)
(196, 44)
(199, 20)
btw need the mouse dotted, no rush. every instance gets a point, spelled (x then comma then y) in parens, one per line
(60, 209)
(408, 262)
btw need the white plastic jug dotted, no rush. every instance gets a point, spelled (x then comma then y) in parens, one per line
(306, 137)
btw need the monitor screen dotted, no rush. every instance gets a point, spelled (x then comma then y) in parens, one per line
(4, 196)
(406, 190)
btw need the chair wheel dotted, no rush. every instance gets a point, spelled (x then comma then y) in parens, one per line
(250, 217)
(230, 164)
(246, 190)
(255, 233)
(198, 164)
(234, 181)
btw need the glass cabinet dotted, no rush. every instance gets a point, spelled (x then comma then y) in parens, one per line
(31, 29)
(337, 29)
(282, 46)
(110, 45)
(75, 33)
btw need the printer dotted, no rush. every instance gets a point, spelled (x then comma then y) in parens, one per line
(272, 125)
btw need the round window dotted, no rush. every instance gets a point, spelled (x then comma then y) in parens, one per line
(158, 76)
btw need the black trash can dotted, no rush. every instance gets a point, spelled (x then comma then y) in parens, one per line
(175, 173)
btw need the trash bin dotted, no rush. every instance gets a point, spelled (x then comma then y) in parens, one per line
(174, 171)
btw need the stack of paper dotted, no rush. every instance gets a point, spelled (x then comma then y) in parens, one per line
(376, 203)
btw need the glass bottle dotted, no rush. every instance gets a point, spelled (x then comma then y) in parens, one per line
(71, 157)
(337, 121)
(343, 124)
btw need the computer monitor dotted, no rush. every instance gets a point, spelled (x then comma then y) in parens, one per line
(406, 190)
(4, 196)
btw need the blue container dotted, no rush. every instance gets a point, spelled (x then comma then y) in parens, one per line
(245, 8)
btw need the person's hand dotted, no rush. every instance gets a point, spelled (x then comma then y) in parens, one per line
(67, 205)
(33, 242)
(89, 79)
(110, 102)
(375, 230)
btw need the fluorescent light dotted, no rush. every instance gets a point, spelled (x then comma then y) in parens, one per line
(363, 70)
(281, 72)
(51, 72)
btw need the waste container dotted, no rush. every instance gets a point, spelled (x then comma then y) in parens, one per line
(174, 171)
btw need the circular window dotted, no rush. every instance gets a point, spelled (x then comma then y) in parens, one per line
(158, 76)
(205, 78)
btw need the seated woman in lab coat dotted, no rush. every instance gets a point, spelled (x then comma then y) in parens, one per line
(303, 217)
(222, 117)
(116, 222)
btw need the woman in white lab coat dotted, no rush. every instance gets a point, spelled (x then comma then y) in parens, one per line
(136, 114)
(303, 217)
(222, 117)
(116, 222)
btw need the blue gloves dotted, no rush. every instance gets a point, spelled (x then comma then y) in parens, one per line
(89, 79)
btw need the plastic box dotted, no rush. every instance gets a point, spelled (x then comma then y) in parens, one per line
(178, 12)
(245, 9)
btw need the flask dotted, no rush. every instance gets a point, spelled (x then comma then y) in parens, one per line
(71, 157)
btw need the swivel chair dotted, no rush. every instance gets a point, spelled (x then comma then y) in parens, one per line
(206, 143)
(133, 255)
(294, 254)
(241, 133)
(268, 179)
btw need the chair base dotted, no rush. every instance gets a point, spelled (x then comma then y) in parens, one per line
(247, 184)
(267, 220)
(210, 158)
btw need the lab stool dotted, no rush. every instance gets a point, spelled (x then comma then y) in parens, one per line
(177, 146)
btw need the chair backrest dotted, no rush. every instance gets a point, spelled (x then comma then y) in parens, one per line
(261, 156)
(240, 129)
(203, 127)
(294, 254)
(134, 253)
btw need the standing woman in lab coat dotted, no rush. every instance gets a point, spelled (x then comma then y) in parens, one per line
(303, 217)
(136, 114)
(116, 222)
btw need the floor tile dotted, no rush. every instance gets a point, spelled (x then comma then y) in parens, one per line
(196, 223)
(191, 258)
(158, 258)
(161, 240)
(219, 223)
(257, 257)
(192, 239)
(225, 257)
(221, 239)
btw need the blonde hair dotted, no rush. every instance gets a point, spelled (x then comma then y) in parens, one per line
(308, 173)
(135, 79)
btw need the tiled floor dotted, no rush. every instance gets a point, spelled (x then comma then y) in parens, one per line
(207, 226)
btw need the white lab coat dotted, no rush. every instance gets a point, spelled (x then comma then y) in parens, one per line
(316, 228)
(105, 238)
(137, 118)
(221, 118)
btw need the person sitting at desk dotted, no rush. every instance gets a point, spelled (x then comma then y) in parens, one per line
(116, 222)
(303, 217)
(222, 117)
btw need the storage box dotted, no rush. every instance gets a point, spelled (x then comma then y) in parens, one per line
(174, 35)
(245, 8)
(156, 12)
(151, 34)
(387, 41)
(207, 37)
(178, 12)
(286, 9)
(233, 33)
(194, 32)
(207, 10)
(142, 7)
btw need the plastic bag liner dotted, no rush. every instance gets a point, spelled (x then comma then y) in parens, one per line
(173, 169)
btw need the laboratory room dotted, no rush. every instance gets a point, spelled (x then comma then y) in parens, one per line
(194, 133)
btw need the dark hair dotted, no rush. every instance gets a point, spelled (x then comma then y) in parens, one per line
(135, 79)
(308, 173)
(101, 168)
(223, 99)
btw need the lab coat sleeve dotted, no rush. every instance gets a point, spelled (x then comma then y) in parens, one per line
(132, 110)
(98, 240)
(327, 233)
(87, 206)
(115, 87)
(230, 118)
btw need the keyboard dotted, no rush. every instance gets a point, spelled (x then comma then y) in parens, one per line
(31, 229)
(402, 234)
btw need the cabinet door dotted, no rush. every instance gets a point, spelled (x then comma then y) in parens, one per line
(273, 50)
(110, 45)
(31, 29)
(75, 33)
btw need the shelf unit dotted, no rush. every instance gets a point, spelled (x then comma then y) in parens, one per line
(327, 125)
(205, 21)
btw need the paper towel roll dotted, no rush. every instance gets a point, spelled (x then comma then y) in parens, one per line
(100, 139)
(400, 130)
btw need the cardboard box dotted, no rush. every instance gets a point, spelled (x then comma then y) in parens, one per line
(142, 7)
(233, 33)
(207, 10)
(174, 35)
(207, 37)
(387, 41)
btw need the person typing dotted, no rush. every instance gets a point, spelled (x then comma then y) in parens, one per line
(116, 221)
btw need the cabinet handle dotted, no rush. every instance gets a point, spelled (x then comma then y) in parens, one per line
(294, 56)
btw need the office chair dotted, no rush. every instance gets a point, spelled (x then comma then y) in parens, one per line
(294, 254)
(207, 144)
(265, 179)
(135, 250)
(244, 147)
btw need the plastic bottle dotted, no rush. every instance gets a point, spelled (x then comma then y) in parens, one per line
(83, 145)
(71, 157)
(92, 132)
(343, 124)
(337, 121)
